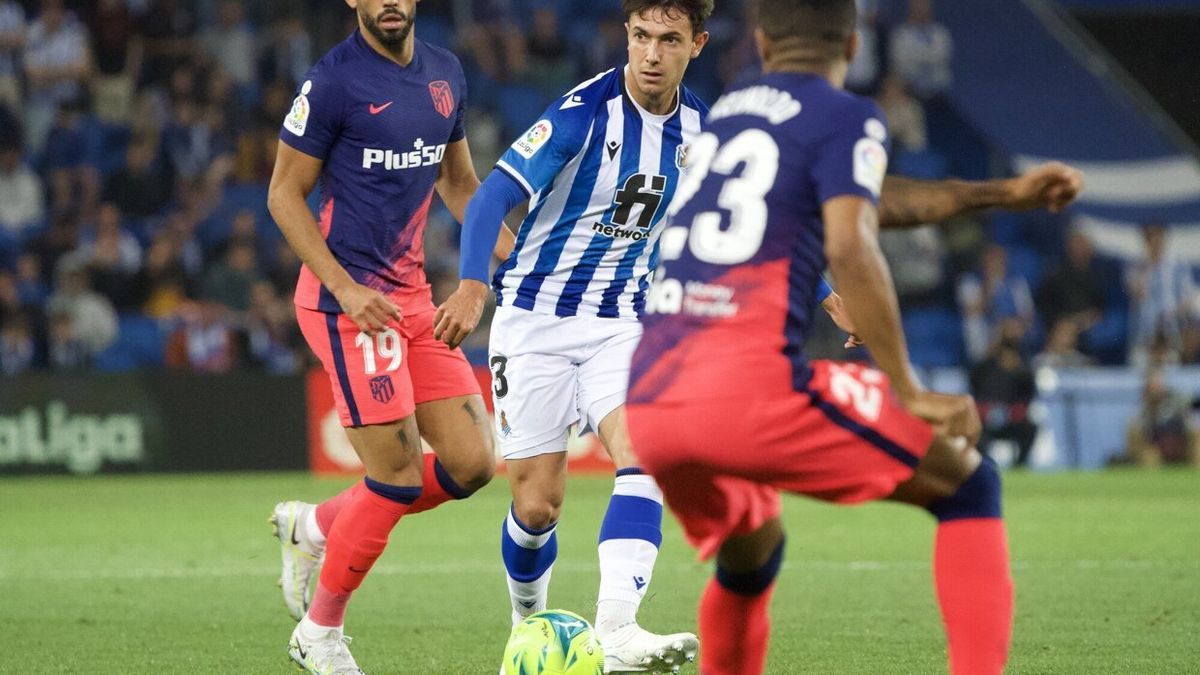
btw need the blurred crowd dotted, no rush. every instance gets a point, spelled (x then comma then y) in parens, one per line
(137, 138)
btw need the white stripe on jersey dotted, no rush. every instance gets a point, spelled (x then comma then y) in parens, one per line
(591, 273)
(598, 203)
(690, 119)
(555, 200)
(648, 163)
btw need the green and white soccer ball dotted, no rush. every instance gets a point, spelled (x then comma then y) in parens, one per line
(553, 642)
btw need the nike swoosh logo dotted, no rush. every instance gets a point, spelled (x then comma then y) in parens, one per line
(301, 651)
(573, 102)
(376, 109)
(358, 571)
(295, 541)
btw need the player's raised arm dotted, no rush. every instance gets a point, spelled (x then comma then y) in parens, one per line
(293, 179)
(907, 202)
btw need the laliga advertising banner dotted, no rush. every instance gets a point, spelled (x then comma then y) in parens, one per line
(330, 452)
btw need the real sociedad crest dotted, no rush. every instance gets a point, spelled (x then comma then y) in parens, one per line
(443, 97)
(681, 151)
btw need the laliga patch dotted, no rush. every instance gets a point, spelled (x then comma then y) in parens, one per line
(297, 119)
(870, 164)
(533, 140)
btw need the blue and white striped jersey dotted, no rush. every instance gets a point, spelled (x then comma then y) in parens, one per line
(600, 172)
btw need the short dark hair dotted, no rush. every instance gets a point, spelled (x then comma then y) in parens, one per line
(697, 11)
(829, 22)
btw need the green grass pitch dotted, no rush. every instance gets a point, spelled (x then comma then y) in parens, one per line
(175, 574)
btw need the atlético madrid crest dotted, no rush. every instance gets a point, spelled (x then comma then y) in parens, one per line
(443, 97)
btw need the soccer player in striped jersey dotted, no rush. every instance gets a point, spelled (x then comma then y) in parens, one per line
(599, 168)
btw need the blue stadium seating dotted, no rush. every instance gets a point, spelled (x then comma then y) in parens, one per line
(141, 343)
(519, 107)
(935, 338)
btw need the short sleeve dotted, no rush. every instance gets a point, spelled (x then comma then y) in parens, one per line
(539, 154)
(315, 119)
(852, 160)
(459, 131)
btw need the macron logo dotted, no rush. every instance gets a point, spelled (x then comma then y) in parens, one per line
(639, 582)
(573, 102)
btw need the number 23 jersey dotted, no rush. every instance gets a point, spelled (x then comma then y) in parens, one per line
(743, 247)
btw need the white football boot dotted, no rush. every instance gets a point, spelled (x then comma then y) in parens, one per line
(633, 649)
(301, 560)
(329, 655)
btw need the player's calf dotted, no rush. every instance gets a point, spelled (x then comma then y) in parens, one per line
(971, 572)
(971, 567)
(734, 623)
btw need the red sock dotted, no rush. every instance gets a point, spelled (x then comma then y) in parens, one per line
(328, 510)
(434, 482)
(433, 492)
(975, 591)
(357, 539)
(733, 631)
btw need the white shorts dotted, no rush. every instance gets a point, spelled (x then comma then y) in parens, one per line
(550, 372)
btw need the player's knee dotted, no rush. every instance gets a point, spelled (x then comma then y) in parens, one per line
(753, 581)
(977, 497)
(477, 475)
(537, 514)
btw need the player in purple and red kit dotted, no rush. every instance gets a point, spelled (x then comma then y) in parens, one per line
(379, 121)
(724, 409)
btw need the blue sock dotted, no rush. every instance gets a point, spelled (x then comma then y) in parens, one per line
(528, 558)
(753, 583)
(977, 497)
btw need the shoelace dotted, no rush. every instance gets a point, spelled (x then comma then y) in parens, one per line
(335, 649)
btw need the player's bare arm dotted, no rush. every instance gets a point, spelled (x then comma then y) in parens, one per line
(836, 309)
(457, 183)
(858, 267)
(293, 179)
(907, 202)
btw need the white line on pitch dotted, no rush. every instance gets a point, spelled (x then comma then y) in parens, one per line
(186, 572)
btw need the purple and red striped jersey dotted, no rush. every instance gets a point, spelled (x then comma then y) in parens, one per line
(380, 130)
(743, 253)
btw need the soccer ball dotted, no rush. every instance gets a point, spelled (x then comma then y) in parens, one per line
(553, 642)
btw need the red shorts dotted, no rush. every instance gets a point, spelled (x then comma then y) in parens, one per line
(721, 463)
(382, 379)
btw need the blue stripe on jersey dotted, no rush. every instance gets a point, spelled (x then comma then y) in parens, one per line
(868, 434)
(631, 154)
(507, 265)
(339, 364)
(672, 136)
(639, 298)
(581, 276)
(577, 202)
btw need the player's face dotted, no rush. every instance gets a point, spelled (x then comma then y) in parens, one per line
(389, 21)
(660, 46)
